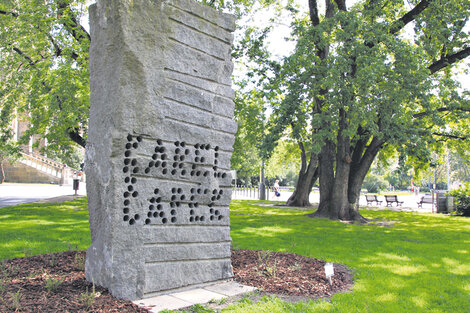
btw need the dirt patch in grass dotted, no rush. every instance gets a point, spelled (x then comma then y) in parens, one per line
(56, 282)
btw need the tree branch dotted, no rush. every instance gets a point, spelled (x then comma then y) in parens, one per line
(330, 8)
(303, 156)
(26, 57)
(449, 136)
(449, 59)
(341, 5)
(76, 137)
(409, 16)
(58, 50)
(421, 114)
(314, 14)
(72, 132)
(71, 24)
(313, 10)
(405, 19)
(9, 13)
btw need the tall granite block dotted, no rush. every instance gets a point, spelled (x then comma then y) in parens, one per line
(160, 139)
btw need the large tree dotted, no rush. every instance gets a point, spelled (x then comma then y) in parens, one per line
(44, 67)
(362, 78)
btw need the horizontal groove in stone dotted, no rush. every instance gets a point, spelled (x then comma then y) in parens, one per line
(218, 58)
(150, 244)
(209, 24)
(198, 87)
(199, 126)
(188, 261)
(202, 84)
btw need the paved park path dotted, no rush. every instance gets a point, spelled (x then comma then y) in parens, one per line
(13, 194)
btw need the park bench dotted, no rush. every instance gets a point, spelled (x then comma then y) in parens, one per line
(425, 199)
(391, 199)
(372, 198)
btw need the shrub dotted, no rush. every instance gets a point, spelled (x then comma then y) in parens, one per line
(52, 284)
(462, 199)
(88, 298)
(374, 183)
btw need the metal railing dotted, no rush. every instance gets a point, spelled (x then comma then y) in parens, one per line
(249, 192)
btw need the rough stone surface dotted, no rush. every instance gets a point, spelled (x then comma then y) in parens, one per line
(160, 139)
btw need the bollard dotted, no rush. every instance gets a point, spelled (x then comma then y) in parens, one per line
(76, 182)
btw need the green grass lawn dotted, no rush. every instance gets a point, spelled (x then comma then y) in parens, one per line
(417, 263)
(38, 228)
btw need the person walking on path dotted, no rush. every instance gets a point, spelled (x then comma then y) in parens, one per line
(277, 194)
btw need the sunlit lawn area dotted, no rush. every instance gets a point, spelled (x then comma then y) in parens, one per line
(416, 263)
(38, 228)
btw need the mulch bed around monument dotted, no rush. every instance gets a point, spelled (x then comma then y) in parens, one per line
(56, 282)
(288, 274)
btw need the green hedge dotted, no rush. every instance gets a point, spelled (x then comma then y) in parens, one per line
(462, 199)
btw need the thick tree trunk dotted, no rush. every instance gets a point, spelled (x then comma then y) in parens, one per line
(340, 188)
(327, 176)
(335, 171)
(360, 167)
(355, 182)
(300, 196)
(308, 174)
(339, 204)
(339, 207)
(2, 173)
(74, 135)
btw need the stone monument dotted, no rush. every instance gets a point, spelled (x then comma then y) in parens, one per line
(160, 139)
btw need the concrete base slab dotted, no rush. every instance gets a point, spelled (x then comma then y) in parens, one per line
(230, 289)
(157, 304)
(179, 300)
(198, 296)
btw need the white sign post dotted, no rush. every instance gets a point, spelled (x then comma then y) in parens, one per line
(329, 271)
